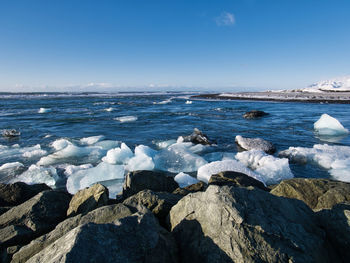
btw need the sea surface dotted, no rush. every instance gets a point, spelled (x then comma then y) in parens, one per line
(150, 118)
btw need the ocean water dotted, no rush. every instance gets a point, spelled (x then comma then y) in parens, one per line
(148, 119)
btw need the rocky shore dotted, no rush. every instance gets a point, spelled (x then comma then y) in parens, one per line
(233, 218)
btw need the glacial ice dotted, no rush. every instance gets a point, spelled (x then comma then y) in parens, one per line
(85, 178)
(271, 169)
(336, 159)
(119, 155)
(184, 180)
(91, 140)
(13, 165)
(327, 125)
(44, 110)
(36, 175)
(206, 171)
(165, 144)
(60, 144)
(71, 169)
(219, 156)
(126, 118)
(17, 152)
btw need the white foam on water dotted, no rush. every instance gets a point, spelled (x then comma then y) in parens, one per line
(163, 102)
(44, 110)
(85, 178)
(91, 140)
(336, 159)
(188, 102)
(206, 171)
(36, 175)
(126, 119)
(119, 155)
(271, 169)
(184, 180)
(109, 109)
(13, 165)
(329, 126)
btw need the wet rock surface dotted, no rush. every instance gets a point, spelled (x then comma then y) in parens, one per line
(254, 114)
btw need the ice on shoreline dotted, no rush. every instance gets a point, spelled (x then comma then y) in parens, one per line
(37, 175)
(329, 126)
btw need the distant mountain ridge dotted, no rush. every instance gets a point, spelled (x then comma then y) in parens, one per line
(341, 84)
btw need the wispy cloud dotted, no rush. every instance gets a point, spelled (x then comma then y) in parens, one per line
(225, 19)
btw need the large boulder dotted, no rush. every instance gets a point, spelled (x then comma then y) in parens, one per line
(137, 238)
(159, 203)
(17, 193)
(336, 222)
(235, 179)
(255, 144)
(197, 137)
(234, 224)
(254, 114)
(88, 199)
(316, 193)
(155, 181)
(102, 215)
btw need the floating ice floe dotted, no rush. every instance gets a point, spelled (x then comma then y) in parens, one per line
(37, 175)
(271, 169)
(44, 110)
(71, 169)
(336, 159)
(109, 109)
(126, 119)
(206, 171)
(163, 102)
(119, 155)
(85, 178)
(329, 126)
(184, 180)
(13, 165)
(91, 140)
(17, 152)
(188, 102)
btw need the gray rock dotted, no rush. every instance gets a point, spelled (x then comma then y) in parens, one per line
(193, 188)
(254, 114)
(14, 235)
(10, 133)
(336, 222)
(4, 209)
(316, 193)
(159, 203)
(234, 224)
(155, 181)
(88, 199)
(255, 144)
(17, 193)
(6, 254)
(197, 137)
(236, 179)
(136, 238)
(102, 215)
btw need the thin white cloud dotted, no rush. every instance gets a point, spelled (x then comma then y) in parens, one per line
(225, 19)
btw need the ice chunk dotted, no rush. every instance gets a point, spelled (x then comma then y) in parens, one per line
(13, 165)
(327, 125)
(36, 175)
(91, 140)
(185, 180)
(120, 155)
(143, 159)
(87, 177)
(143, 149)
(165, 144)
(44, 110)
(188, 102)
(16, 152)
(219, 156)
(38, 152)
(60, 144)
(107, 144)
(126, 118)
(178, 158)
(336, 159)
(109, 109)
(206, 171)
(272, 169)
(71, 169)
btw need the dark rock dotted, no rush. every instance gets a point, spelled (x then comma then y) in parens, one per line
(159, 203)
(316, 193)
(234, 224)
(155, 181)
(6, 254)
(236, 179)
(255, 144)
(136, 238)
(197, 137)
(88, 199)
(193, 188)
(102, 215)
(254, 114)
(13, 235)
(4, 209)
(336, 222)
(17, 193)
(40, 214)
(10, 133)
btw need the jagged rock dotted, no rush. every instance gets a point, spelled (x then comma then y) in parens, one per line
(4, 209)
(336, 222)
(200, 186)
(254, 114)
(102, 215)
(12, 235)
(6, 254)
(17, 193)
(235, 179)
(10, 133)
(39, 214)
(197, 137)
(136, 238)
(155, 181)
(255, 144)
(316, 193)
(88, 199)
(159, 203)
(234, 224)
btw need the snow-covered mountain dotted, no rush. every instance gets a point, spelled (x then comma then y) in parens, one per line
(336, 84)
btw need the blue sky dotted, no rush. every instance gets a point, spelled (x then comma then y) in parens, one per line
(236, 45)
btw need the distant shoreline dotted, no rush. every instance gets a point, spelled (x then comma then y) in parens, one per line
(307, 97)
